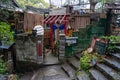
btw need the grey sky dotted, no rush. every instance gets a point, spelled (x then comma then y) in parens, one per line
(56, 2)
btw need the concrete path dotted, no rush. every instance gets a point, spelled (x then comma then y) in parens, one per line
(47, 73)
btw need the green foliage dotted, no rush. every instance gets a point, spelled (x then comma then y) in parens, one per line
(112, 40)
(5, 33)
(4, 15)
(13, 77)
(85, 60)
(35, 3)
(4, 1)
(3, 67)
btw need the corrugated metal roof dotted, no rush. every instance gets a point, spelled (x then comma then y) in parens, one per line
(9, 4)
(39, 10)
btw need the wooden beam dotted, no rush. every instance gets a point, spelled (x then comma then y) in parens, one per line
(115, 8)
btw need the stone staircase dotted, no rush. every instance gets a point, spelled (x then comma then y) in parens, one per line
(116, 31)
(109, 69)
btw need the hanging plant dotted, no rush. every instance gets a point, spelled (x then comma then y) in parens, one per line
(5, 33)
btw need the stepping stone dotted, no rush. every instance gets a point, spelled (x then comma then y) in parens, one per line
(116, 56)
(74, 63)
(96, 75)
(82, 76)
(69, 71)
(113, 63)
(109, 72)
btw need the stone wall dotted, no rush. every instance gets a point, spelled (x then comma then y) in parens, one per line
(26, 49)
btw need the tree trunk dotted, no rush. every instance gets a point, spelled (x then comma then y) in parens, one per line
(92, 5)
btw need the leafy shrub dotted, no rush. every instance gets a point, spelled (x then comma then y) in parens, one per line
(5, 33)
(112, 40)
(86, 60)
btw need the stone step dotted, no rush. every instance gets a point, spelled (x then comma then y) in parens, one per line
(68, 70)
(110, 73)
(116, 56)
(74, 63)
(96, 75)
(82, 76)
(118, 49)
(78, 56)
(112, 63)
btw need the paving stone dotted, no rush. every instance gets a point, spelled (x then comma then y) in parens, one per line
(112, 63)
(56, 77)
(82, 76)
(27, 76)
(96, 75)
(109, 72)
(47, 73)
(70, 72)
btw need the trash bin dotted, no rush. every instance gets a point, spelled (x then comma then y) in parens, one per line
(70, 42)
(68, 51)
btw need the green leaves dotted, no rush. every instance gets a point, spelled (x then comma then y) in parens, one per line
(85, 60)
(35, 3)
(3, 67)
(88, 60)
(5, 33)
(112, 40)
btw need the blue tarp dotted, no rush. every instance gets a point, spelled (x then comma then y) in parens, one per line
(61, 27)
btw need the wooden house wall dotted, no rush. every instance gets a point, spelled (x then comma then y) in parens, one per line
(79, 21)
(31, 20)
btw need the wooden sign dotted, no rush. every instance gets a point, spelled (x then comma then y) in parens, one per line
(71, 40)
(101, 46)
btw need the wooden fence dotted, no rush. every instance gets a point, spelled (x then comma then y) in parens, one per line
(31, 20)
(79, 21)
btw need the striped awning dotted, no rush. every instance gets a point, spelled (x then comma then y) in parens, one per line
(55, 18)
